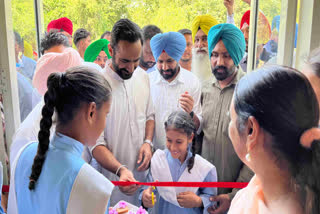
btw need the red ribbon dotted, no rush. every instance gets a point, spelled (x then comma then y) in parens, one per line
(5, 188)
(184, 184)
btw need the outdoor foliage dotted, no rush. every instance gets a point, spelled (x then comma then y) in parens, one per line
(98, 16)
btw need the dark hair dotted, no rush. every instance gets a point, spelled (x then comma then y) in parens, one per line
(105, 34)
(18, 39)
(66, 93)
(185, 31)
(182, 121)
(125, 30)
(314, 61)
(81, 33)
(283, 102)
(53, 38)
(149, 31)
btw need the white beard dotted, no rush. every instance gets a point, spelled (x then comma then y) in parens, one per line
(200, 65)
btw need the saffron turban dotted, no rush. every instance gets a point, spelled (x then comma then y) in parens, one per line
(63, 24)
(232, 39)
(173, 43)
(204, 22)
(95, 48)
(54, 62)
(264, 29)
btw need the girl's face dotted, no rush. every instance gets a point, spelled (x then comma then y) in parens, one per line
(177, 143)
(99, 121)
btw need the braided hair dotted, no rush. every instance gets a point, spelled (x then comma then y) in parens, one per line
(181, 120)
(66, 93)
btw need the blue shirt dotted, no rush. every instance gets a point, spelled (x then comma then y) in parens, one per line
(27, 67)
(25, 92)
(176, 170)
(1, 180)
(51, 194)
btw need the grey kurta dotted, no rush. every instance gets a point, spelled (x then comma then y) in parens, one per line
(217, 146)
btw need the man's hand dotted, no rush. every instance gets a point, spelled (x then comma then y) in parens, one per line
(126, 175)
(224, 202)
(145, 154)
(229, 5)
(186, 102)
(189, 200)
(247, 1)
(147, 198)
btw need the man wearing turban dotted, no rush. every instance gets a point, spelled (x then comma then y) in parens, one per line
(200, 65)
(63, 25)
(226, 49)
(98, 52)
(172, 87)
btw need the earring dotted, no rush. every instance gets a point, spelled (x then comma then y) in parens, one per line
(248, 157)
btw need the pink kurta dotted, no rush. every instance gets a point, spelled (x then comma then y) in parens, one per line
(249, 200)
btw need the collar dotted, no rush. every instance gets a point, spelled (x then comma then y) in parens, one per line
(235, 80)
(180, 78)
(112, 73)
(66, 143)
(177, 161)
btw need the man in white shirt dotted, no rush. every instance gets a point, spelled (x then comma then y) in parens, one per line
(126, 150)
(172, 87)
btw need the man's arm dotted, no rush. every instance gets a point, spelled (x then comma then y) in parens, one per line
(145, 152)
(229, 4)
(107, 160)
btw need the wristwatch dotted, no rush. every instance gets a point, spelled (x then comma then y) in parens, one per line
(191, 114)
(149, 142)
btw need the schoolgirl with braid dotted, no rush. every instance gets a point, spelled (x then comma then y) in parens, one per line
(50, 176)
(179, 162)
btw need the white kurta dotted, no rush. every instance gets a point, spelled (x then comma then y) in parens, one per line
(166, 97)
(124, 134)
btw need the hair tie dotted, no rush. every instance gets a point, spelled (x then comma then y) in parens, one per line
(309, 136)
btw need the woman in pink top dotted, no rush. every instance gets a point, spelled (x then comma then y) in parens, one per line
(274, 130)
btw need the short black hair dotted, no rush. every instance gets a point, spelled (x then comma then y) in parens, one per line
(53, 38)
(149, 31)
(18, 39)
(105, 33)
(125, 30)
(185, 31)
(81, 33)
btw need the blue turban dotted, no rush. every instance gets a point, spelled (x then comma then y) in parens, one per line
(173, 43)
(232, 39)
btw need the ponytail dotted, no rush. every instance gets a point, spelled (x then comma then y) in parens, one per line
(307, 179)
(194, 150)
(45, 125)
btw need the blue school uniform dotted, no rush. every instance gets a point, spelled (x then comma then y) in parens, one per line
(177, 172)
(66, 183)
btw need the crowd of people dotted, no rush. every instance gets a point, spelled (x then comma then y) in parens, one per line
(146, 105)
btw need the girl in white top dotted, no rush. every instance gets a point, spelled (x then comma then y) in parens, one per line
(178, 163)
(50, 176)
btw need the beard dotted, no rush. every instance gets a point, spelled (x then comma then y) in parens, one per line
(200, 64)
(169, 73)
(146, 64)
(221, 72)
(122, 72)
